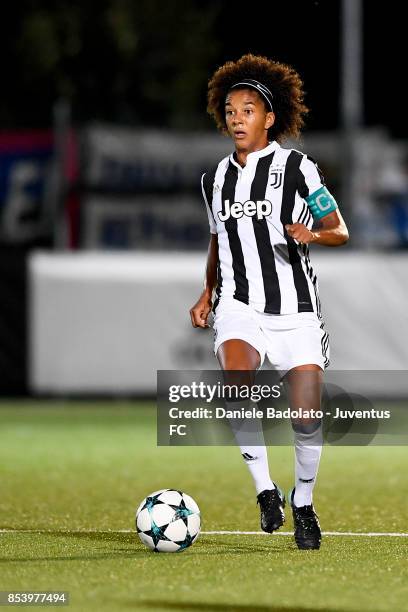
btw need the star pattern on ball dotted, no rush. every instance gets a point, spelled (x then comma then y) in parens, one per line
(157, 533)
(182, 512)
(188, 540)
(152, 501)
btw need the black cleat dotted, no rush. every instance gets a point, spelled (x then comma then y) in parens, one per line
(307, 528)
(272, 503)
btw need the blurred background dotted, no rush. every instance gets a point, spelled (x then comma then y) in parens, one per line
(104, 136)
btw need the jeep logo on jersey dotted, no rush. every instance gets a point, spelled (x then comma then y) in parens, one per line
(260, 208)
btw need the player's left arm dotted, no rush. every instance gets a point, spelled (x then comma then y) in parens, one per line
(331, 230)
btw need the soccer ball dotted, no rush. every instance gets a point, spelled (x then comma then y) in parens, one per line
(168, 521)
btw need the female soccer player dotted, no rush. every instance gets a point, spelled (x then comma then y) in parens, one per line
(265, 205)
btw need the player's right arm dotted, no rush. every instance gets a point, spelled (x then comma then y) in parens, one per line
(202, 308)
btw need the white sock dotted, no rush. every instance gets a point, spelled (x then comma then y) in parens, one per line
(250, 439)
(308, 449)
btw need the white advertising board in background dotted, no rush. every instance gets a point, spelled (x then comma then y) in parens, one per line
(105, 323)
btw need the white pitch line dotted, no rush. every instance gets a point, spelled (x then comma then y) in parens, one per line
(370, 534)
(326, 533)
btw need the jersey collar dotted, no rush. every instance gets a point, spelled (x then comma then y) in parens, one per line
(255, 155)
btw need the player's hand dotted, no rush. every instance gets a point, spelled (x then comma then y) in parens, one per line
(200, 311)
(300, 232)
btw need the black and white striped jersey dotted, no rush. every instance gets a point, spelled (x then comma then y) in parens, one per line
(259, 263)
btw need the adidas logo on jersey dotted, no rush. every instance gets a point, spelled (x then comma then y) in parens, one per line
(260, 208)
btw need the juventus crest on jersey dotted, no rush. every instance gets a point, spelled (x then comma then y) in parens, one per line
(259, 263)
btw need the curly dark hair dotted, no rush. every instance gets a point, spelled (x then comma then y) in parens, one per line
(282, 80)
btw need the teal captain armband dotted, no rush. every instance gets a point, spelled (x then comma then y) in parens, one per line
(321, 203)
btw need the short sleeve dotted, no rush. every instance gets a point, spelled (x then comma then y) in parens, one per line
(312, 188)
(206, 194)
(310, 177)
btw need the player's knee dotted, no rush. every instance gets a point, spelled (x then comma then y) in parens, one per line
(237, 365)
(238, 355)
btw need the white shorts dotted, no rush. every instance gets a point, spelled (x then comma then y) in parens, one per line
(289, 340)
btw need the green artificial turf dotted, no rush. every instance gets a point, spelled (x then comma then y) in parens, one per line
(74, 474)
